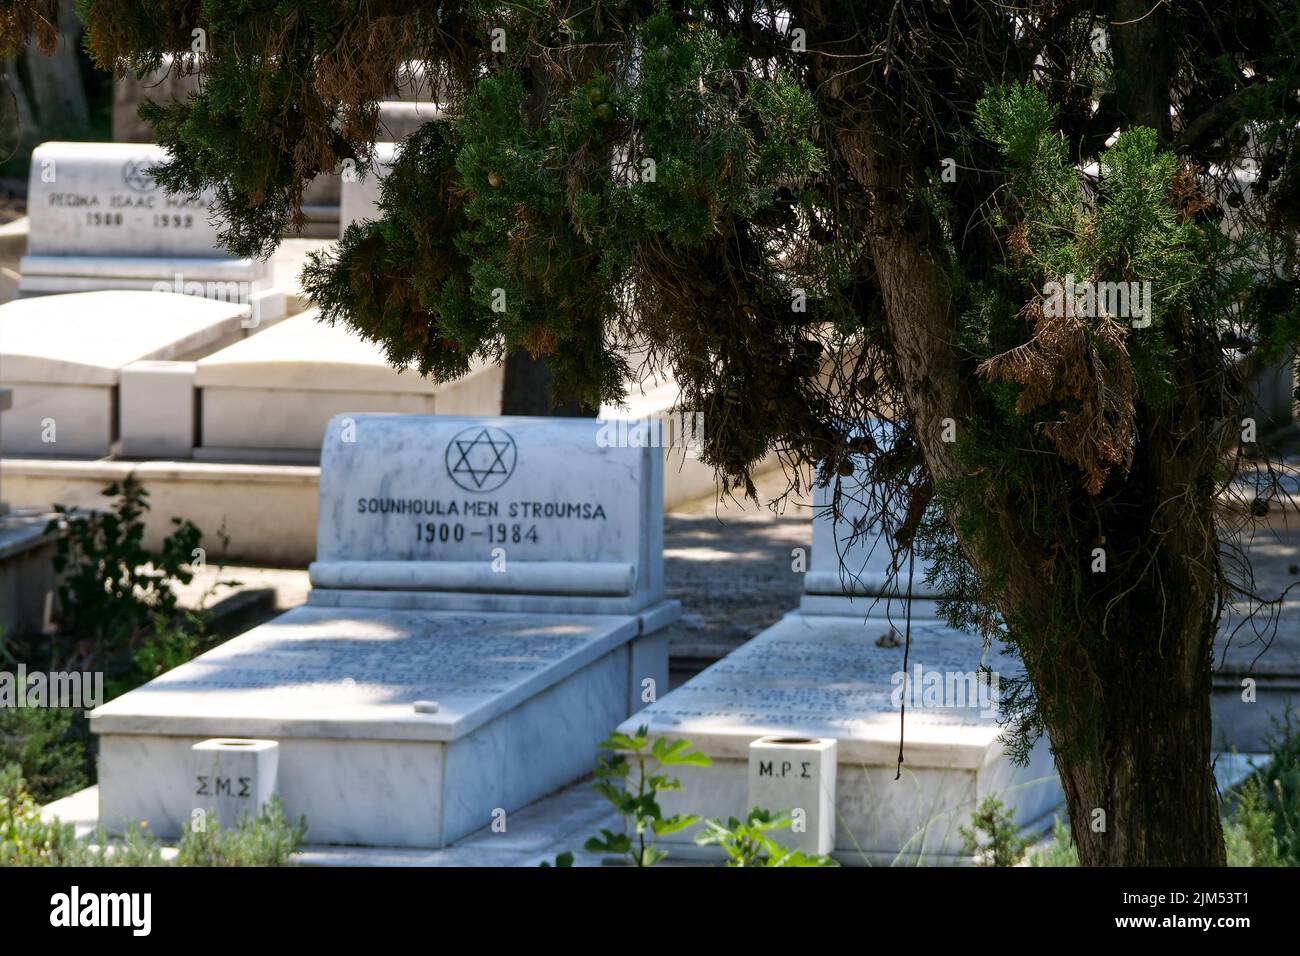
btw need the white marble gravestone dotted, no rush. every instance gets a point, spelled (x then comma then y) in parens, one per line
(62, 356)
(835, 670)
(487, 603)
(99, 220)
(269, 397)
(855, 569)
(360, 194)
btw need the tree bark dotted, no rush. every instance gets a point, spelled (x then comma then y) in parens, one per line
(526, 388)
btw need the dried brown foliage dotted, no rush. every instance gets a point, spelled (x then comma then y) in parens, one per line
(1082, 365)
(24, 19)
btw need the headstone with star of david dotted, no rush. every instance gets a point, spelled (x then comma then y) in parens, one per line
(100, 220)
(487, 604)
(525, 513)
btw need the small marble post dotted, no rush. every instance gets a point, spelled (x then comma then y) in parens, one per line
(797, 775)
(234, 778)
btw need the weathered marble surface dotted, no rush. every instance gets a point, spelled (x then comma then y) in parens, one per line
(521, 701)
(360, 194)
(99, 220)
(357, 673)
(99, 199)
(233, 778)
(405, 726)
(852, 570)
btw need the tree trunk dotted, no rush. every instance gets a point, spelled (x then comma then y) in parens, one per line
(1126, 706)
(1143, 794)
(526, 388)
(58, 95)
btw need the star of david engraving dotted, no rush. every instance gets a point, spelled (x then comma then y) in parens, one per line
(135, 173)
(481, 458)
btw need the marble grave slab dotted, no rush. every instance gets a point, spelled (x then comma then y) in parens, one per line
(820, 676)
(62, 355)
(269, 397)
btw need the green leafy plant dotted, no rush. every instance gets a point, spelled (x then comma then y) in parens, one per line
(1248, 832)
(25, 838)
(751, 843)
(48, 746)
(265, 838)
(561, 860)
(112, 586)
(993, 838)
(136, 847)
(1279, 789)
(637, 799)
(168, 644)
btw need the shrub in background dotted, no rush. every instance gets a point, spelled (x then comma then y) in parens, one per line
(993, 839)
(111, 586)
(262, 839)
(48, 746)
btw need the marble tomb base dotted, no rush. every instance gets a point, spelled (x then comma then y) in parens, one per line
(402, 729)
(826, 677)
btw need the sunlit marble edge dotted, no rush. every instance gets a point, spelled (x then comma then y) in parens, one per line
(126, 715)
(872, 607)
(649, 607)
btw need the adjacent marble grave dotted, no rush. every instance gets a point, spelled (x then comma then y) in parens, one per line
(62, 355)
(827, 677)
(99, 220)
(269, 397)
(835, 670)
(26, 556)
(487, 602)
(360, 193)
(855, 568)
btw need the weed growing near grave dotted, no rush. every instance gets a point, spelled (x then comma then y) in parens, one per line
(266, 838)
(643, 820)
(167, 645)
(1279, 789)
(1060, 851)
(263, 839)
(1261, 822)
(1248, 832)
(112, 586)
(750, 844)
(26, 839)
(993, 838)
